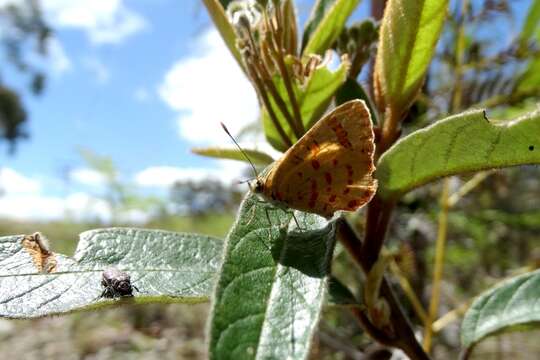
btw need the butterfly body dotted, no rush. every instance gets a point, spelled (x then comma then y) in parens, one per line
(329, 169)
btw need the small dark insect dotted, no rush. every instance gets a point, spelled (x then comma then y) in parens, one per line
(117, 283)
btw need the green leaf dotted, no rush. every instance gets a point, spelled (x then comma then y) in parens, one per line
(512, 304)
(257, 157)
(165, 266)
(272, 284)
(408, 35)
(225, 28)
(459, 144)
(531, 25)
(340, 295)
(351, 90)
(326, 22)
(225, 3)
(529, 81)
(313, 98)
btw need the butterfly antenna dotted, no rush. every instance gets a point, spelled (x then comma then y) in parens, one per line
(240, 148)
(246, 181)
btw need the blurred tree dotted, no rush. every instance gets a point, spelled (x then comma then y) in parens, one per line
(22, 30)
(122, 197)
(201, 197)
(494, 70)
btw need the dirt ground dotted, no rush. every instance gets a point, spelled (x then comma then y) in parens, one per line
(163, 332)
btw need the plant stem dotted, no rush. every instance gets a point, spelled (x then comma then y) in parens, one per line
(282, 106)
(378, 218)
(277, 48)
(390, 131)
(409, 292)
(476, 180)
(450, 316)
(402, 335)
(266, 102)
(438, 266)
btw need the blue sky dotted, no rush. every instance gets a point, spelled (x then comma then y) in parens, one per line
(141, 81)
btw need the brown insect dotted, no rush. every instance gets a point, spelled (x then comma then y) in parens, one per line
(37, 245)
(116, 283)
(330, 168)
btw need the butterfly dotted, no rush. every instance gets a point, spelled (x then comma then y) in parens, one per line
(329, 168)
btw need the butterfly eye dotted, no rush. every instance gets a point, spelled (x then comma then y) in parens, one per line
(259, 186)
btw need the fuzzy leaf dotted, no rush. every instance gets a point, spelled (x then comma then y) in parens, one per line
(529, 80)
(459, 144)
(325, 24)
(272, 284)
(512, 304)
(216, 11)
(313, 98)
(351, 90)
(531, 25)
(257, 157)
(165, 267)
(408, 35)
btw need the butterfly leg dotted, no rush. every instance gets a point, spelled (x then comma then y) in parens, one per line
(268, 217)
(251, 215)
(296, 221)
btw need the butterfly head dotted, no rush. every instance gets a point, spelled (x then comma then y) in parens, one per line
(257, 186)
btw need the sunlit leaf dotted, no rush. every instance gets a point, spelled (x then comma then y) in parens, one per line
(325, 24)
(408, 35)
(529, 81)
(459, 144)
(165, 267)
(272, 284)
(531, 25)
(225, 28)
(257, 157)
(313, 98)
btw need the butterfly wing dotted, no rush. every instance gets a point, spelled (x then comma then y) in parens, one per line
(331, 167)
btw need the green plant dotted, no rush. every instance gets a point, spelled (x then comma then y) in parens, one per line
(23, 32)
(271, 280)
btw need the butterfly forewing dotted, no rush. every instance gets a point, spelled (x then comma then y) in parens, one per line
(331, 167)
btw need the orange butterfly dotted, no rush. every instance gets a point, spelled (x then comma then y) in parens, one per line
(330, 168)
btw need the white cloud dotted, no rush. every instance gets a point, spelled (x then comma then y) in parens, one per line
(104, 21)
(141, 94)
(80, 206)
(22, 199)
(100, 71)
(228, 172)
(134, 216)
(57, 57)
(30, 207)
(206, 88)
(87, 176)
(77, 206)
(13, 182)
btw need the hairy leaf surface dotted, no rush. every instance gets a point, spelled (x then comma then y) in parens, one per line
(272, 284)
(459, 144)
(325, 24)
(510, 305)
(165, 267)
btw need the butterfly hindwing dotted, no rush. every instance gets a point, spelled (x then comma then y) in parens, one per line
(331, 167)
